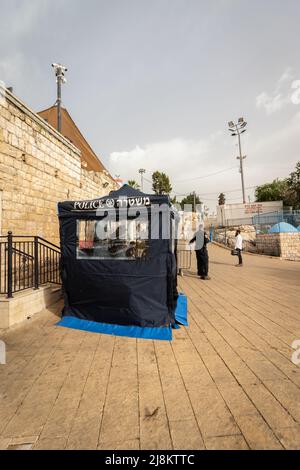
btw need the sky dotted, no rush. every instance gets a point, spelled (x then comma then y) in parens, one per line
(153, 84)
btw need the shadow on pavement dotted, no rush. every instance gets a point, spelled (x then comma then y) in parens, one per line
(219, 262)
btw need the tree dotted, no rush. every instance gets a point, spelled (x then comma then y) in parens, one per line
(293, 183)
(133, 184)
(189, 199)
(161, 183)
(275, 191)
(221, 199)
(286, 190)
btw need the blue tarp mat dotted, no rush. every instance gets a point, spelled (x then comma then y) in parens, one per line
(181, 310)
(161, 333)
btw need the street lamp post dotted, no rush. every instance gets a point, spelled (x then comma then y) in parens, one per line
(238, 129)
(60, 78)
(142, 171)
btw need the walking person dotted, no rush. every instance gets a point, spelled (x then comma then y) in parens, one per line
(201, 240)
(238, 247)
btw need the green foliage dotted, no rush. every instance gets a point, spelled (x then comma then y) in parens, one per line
(133, 184)
(274, 191)
(161, 183)
(221, 199)
(189, 199)
(286, 190)
(294, 187)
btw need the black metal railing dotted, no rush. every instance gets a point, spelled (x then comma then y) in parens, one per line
(27, 262)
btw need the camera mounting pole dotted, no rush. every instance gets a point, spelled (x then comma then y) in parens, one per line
(60, 78)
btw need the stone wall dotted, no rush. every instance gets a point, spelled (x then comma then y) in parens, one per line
(285, 245)
(290, 246)
(268, 244)
(38, 168)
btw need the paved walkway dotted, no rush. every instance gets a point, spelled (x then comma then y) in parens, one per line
(225, 382)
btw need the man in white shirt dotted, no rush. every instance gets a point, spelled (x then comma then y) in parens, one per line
(239, 246)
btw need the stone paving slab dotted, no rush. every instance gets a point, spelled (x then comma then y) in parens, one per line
(225, 382)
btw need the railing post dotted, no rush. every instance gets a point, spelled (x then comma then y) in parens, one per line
(9, 265)
(36, 262)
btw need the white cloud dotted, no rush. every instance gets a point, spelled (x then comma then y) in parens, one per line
(208, 166)
(177, 157)
(295, 98)
(285, 77)
(280, 147)
(191, 164)
(282, 94)
(271, 103)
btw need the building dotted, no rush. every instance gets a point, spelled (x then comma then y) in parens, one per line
(40, 166)
(69, 130)
(243, 214)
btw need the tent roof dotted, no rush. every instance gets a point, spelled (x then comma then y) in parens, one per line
(282, 227)
(129, 191)
(73, 134)
(126, 191)
(113, 200)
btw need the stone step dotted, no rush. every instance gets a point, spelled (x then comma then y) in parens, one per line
(26, 303)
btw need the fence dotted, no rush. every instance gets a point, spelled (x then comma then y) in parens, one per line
(221, 237)
(184, 260)
(27, 262)
(271, 218)
(263, 222)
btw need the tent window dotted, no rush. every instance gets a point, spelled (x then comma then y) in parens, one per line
(110, 239)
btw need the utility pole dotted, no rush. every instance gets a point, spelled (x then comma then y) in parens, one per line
(241, 158)
(142, 171)
(194, 201)
(60, 78)
(238, 129)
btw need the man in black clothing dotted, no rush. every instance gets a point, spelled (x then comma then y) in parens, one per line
(201, 240)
